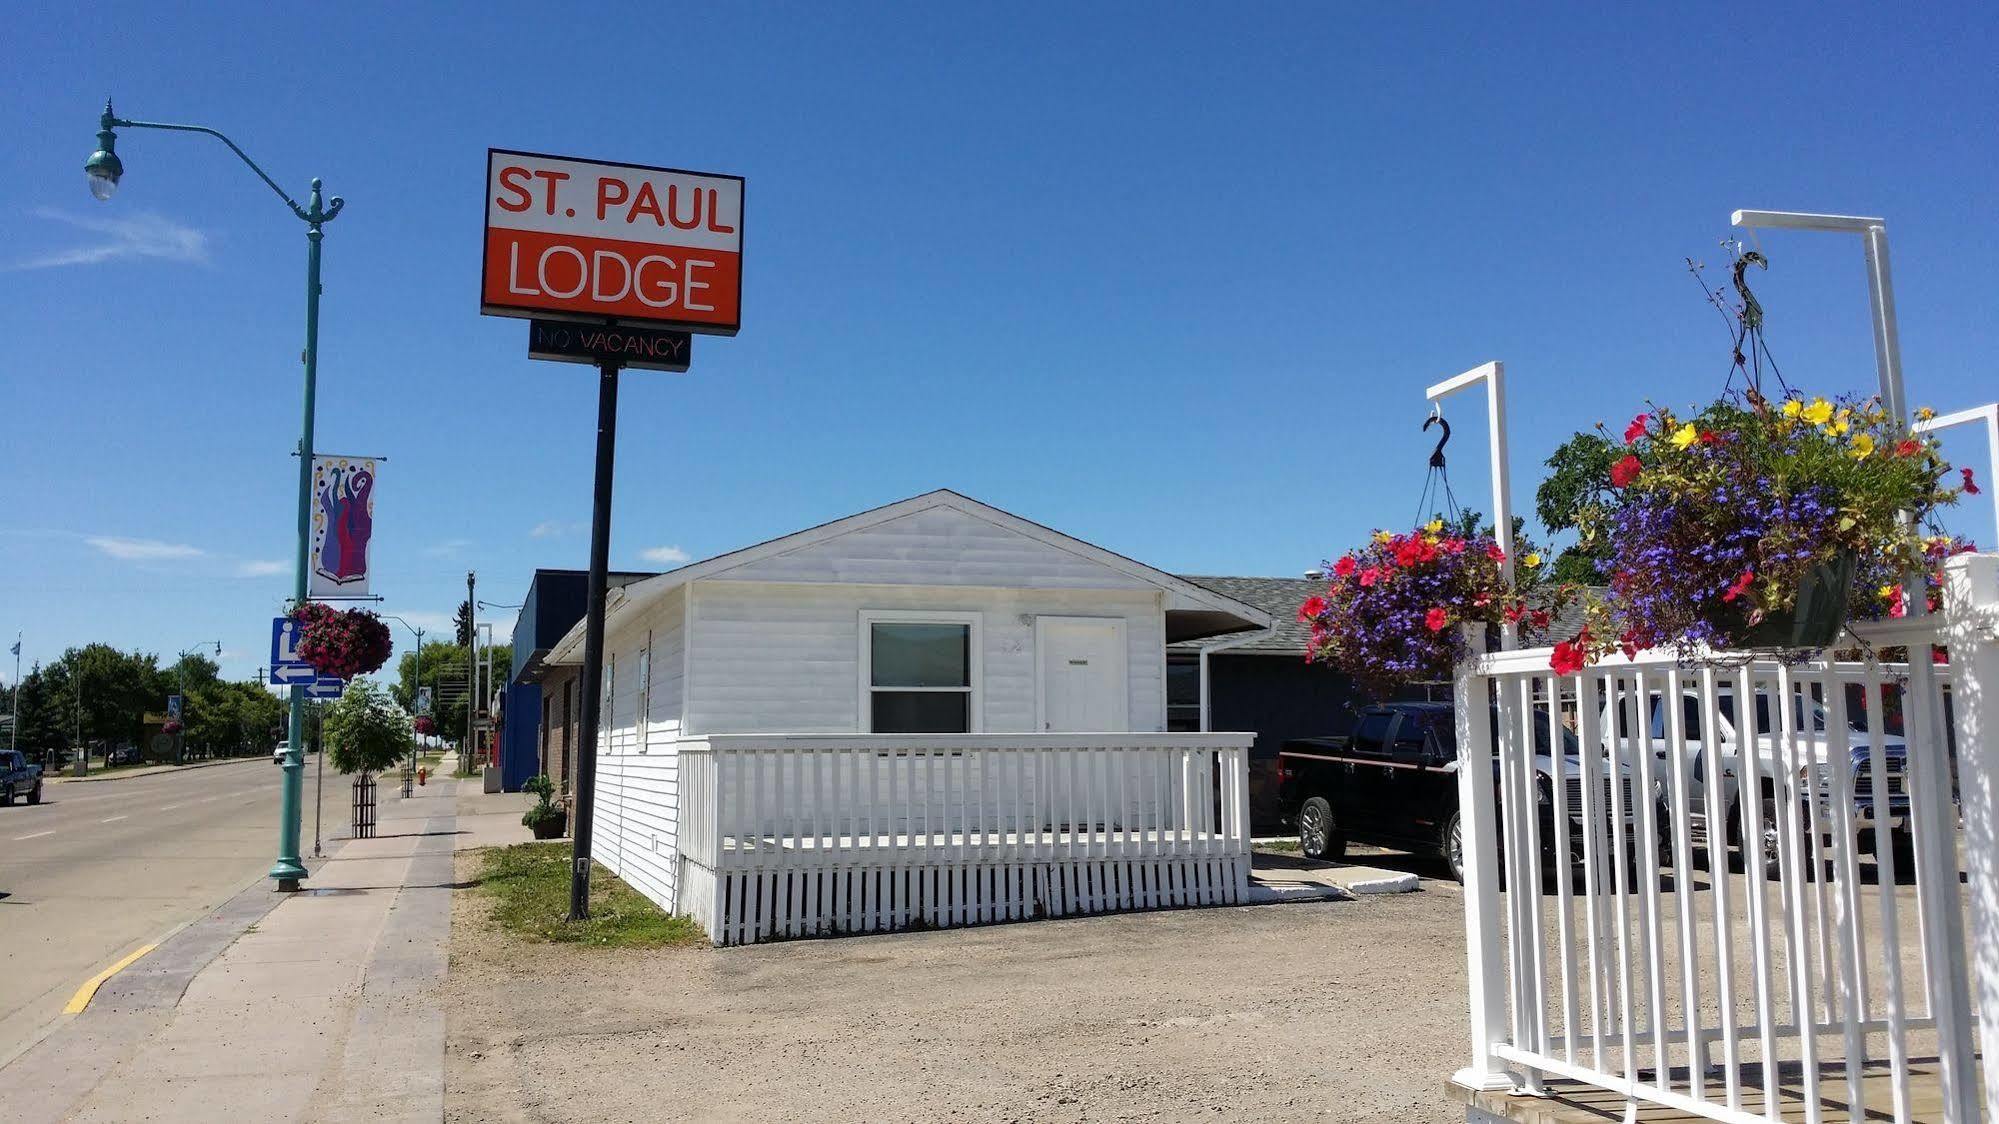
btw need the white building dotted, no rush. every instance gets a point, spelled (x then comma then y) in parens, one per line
(930, 713)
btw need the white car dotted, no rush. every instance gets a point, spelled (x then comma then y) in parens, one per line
(1811, 722)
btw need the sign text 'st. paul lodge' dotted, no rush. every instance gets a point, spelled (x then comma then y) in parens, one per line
(596, 241)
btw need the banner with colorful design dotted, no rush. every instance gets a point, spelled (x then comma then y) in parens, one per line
(343, 522)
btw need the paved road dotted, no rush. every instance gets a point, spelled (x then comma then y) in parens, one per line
(101, 868)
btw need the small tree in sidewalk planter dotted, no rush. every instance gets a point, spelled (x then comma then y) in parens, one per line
(544, 819)
(366, 732)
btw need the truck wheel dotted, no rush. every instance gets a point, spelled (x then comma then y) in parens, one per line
(35, 797)
(1318, 832)
(6, 796)
(1453, 847)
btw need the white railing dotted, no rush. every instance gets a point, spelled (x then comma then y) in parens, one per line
(1736, 958)
(799, 834)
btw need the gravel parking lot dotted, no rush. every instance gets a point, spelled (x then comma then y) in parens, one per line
(1339, 1011)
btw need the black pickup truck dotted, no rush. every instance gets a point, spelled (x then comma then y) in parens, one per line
(18, 778)
(1394, 782)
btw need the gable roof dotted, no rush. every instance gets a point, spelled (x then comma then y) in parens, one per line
(1182, 594)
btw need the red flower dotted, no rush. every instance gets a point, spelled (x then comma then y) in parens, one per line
(1312, 607)
(1493, 552)
(1629, 643)
(1345, 566)
(1896, 607)
(1570, 656)
(1514, 613)
(1369, 576)
(1970, 485)
(1710, 437)
(1436, 620)
(1908, 448)
(1540, 619)
(1625, 471)
(1740, 587)
(1636, 429)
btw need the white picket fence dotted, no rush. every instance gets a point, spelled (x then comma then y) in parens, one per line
(1622, 953)
(802, 835)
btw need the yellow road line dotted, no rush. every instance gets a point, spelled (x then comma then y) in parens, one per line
(88, 991)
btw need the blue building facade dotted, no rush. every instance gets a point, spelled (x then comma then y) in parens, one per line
(555, 602)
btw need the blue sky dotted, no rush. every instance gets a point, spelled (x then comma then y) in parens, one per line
(1169, 282)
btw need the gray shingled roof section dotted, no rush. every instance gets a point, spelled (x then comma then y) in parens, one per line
(1280, 597)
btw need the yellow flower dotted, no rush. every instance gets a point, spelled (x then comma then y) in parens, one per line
(1793, 407)
(1863, 446)
(1383, 536)
(1819, 412)
(1434, 526)
(1686, 435)
(1924, 413)
(1887, 592)
(1838, 428)
(1531, 559)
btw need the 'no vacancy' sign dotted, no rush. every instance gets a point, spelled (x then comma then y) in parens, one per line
(596, 241)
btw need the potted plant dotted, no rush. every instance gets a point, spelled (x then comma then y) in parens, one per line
(1746, 525)
(1391, 610)
(341, 643)
(545, 819)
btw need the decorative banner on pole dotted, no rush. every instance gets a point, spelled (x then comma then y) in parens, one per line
(343, 522)
(423, 700)
(603, 242)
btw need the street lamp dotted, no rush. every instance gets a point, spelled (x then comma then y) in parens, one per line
(416, 681)
(180, 675)
(105, 170)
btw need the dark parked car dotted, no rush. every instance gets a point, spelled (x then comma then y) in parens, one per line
(1394, 782)
(18, 778)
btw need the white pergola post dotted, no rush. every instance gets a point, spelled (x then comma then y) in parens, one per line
(1493, 375)
(1971, 613)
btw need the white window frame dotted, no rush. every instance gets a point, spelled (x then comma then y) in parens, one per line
(975, 719)
(644, 719)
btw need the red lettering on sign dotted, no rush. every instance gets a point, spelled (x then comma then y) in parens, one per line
(553, 178)
(715, 214)
(646, 204)
(605, 186)
(673, 207)
(514, 180)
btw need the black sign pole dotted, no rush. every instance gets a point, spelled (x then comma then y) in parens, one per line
(593, 639)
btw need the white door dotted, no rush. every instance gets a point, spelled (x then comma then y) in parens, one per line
(1083, 688)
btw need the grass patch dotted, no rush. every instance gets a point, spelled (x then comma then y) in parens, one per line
(528, 884)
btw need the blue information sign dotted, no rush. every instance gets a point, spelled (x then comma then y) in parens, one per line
(286, 667)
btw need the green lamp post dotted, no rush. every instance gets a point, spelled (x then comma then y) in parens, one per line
(105, 170)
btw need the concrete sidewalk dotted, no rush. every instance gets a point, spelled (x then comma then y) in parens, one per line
(326, 1006)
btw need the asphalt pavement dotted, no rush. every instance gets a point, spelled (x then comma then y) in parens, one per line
(102, 868)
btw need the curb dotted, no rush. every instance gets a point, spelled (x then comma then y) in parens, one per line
(88, 991)
(150, 772)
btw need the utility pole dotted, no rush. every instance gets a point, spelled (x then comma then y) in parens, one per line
(14, 730)
(471, 663)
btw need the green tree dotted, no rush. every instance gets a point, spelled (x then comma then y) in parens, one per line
(1579, 481)
(462, 623)
(45, 724)
(366, 731)
(444, 673)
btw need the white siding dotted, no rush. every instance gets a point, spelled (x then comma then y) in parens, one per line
(637, 810)
(771, 658)
(937, 547)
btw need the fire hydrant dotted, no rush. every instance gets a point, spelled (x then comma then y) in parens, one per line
(421, 774)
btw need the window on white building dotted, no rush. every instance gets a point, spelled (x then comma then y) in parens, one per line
(919, 672)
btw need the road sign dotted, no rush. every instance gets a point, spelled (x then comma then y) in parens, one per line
(173, 706)
(286, 667)
(656, 349)
(597, 241)
(325, 687)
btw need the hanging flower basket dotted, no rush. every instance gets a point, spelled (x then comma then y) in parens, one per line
(170, 726)
(342, 643)
(1743, 526)
(1391, 612)
(425, 725)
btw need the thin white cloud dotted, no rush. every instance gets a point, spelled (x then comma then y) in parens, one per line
(141, 234)
(262, 568)
(445, 549)
(554, 528)
(142, 550)
(664, 554)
